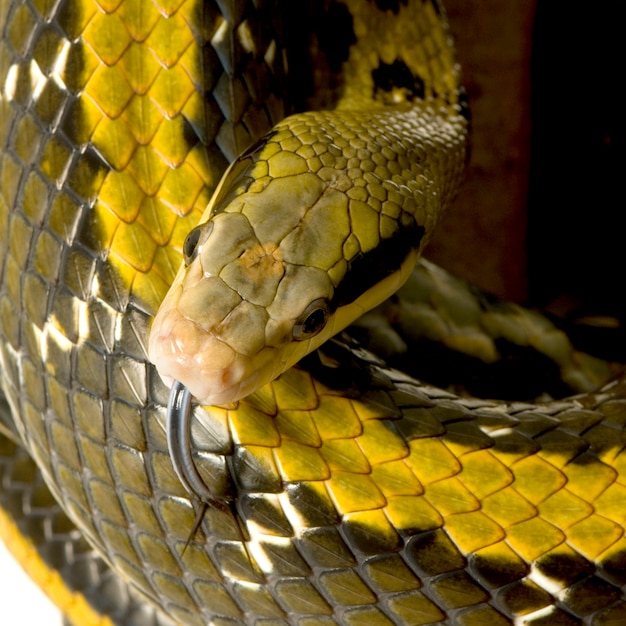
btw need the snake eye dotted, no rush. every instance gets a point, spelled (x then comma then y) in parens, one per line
(312, 320)
(194, 240)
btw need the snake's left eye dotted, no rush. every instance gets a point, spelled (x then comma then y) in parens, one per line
(312, 320)
(194, 241)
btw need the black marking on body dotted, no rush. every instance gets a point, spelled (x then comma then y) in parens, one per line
(366, 270)
(390, 5)
(565, 569)
(335, 33)
(394, 5)
(397, 76)
(437, 6)
(318, 37)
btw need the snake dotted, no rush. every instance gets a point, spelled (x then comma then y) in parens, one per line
(341, 491)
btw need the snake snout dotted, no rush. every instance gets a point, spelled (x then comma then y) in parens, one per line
(207, 366)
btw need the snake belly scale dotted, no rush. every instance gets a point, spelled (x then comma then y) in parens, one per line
(363, 496)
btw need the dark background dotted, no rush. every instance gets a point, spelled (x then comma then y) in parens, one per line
(539, 217)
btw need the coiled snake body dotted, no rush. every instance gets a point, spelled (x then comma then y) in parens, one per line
(363, 497)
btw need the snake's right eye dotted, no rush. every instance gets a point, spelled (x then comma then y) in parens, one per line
(195, 239)
(312, 320)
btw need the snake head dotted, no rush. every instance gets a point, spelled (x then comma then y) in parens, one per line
(237, 314)
(284, 259)
(250, 300)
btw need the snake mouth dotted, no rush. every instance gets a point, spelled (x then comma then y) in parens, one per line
(212, 371)
(209, 368)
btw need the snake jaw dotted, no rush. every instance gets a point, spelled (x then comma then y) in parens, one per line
(212, 371)
(208, 367)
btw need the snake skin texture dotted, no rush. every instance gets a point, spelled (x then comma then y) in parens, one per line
(57, 556)
(361, 495)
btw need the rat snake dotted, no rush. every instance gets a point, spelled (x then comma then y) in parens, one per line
(343, 492)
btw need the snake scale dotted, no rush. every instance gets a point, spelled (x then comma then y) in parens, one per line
(356, 495)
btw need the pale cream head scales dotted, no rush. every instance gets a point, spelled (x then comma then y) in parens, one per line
(234, 318)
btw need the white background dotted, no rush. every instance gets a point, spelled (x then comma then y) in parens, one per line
(22, 603)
